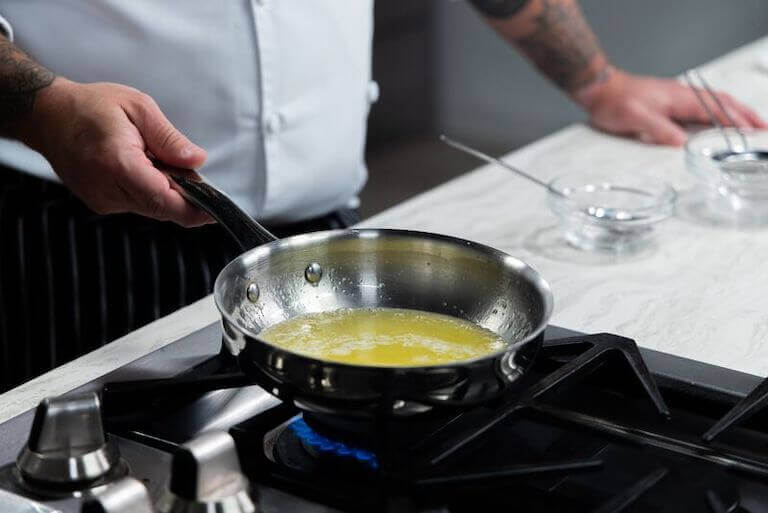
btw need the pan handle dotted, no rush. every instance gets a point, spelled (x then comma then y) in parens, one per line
(201, 193)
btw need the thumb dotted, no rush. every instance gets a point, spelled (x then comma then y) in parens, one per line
(163, 139)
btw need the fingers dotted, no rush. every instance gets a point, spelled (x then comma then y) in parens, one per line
(149, 189)
(687, 108)
(182, 212)
(161, 137)
(742, 115)
(654, 127)
(101, 154)
(663, 131)
(733, 115)
(149, 193)
(755, 119)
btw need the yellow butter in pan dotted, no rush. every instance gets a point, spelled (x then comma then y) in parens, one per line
(383, 336)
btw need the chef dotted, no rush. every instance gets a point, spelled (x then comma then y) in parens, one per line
(269, 97)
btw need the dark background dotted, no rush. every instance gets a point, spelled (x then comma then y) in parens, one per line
(441, 69)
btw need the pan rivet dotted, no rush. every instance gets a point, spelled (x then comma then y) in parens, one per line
(252, 292)
(313, 273)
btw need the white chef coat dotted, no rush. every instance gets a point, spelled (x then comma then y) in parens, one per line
(277, 91)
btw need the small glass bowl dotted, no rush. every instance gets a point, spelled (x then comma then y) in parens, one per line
(735, 184)
(603, 211)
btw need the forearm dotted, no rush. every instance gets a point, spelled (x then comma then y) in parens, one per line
(554, 35)
(21, 79)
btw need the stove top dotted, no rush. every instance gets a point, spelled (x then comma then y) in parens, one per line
(599, 426)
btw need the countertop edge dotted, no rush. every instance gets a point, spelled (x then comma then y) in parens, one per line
(116, 354)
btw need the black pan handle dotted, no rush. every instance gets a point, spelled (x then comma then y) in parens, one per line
(195, 189)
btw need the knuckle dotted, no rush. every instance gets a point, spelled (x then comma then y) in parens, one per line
(145, 99)
(105, 146)
(122, 162)
(141, 105)
(126, 88)
(727, 100)
(155, 205)
(104, 155)
(169, 137)
(140, 98)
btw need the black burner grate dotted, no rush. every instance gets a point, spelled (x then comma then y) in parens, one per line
(756, 401)
(584, 355)
(589, 432)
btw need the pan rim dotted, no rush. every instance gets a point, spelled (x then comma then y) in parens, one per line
(526, 270)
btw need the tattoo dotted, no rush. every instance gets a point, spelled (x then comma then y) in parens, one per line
(563, 46)
(499, 8)
(20, 80)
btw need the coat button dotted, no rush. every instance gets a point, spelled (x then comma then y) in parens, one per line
(373, 92)
(273, 123)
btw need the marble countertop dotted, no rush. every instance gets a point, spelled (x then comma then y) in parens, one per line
(700, 293)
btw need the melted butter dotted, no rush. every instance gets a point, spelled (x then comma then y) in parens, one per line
(383, 336)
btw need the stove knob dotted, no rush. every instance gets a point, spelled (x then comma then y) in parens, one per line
(127, 495)
(67, 447)
(206, 477)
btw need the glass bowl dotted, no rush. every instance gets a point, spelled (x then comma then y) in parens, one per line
(603, 211)
(735, 184)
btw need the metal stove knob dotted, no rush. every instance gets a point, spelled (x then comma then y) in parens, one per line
(128, 495)
(67, 446)
(206, 477)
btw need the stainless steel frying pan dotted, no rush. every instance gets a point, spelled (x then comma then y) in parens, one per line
(275, 280)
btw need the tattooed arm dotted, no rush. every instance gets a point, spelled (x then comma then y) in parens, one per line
(554, 35)
(20, 80)
(96, 137)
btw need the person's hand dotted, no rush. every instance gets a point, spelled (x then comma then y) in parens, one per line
(653, 109)
(96, 137)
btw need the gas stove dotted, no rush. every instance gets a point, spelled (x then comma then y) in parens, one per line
(598, 426)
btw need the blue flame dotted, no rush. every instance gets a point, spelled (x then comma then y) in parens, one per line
(323, 444)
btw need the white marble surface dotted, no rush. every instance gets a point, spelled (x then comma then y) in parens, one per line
(702, 294)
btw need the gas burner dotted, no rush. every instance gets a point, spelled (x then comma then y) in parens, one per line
(322, 447)
(300, 448)
(589, 430)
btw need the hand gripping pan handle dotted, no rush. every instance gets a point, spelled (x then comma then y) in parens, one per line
(201, 193)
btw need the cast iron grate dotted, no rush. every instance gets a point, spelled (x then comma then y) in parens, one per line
(615, 445)
(583, 355)
(756, 401)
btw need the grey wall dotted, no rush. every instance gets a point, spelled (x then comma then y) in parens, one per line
(490, 96)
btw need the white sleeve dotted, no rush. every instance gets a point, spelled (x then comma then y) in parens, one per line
(6, 28)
